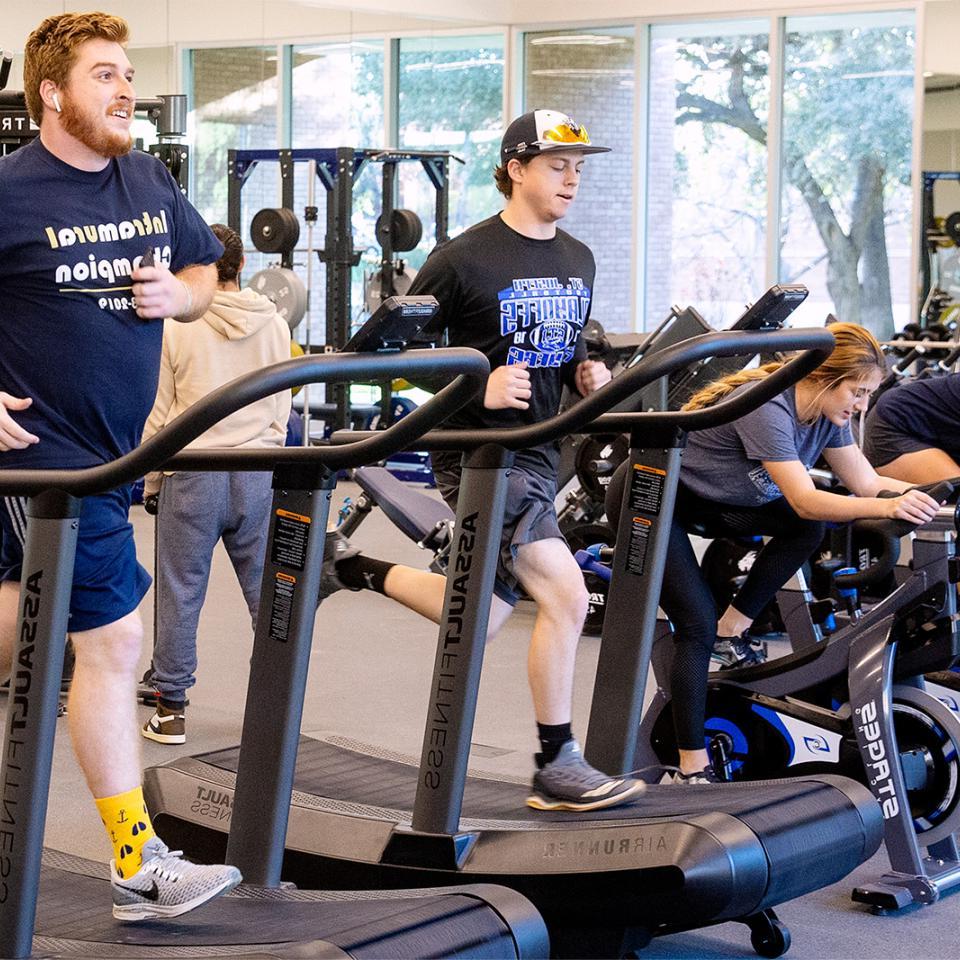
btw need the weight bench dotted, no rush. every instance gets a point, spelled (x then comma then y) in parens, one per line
(425, 520)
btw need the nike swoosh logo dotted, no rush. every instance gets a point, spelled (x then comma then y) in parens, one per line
(153, 893)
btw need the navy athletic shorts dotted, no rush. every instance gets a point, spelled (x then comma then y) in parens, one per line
(530, 515)
(108, 582)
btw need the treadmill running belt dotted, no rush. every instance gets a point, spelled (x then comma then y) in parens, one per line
(74, 906)
(329, 770)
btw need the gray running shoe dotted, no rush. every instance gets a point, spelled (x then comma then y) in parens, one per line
(706, 775)
(570, 783)
(731, 652)
(166, 885)
(335, 549)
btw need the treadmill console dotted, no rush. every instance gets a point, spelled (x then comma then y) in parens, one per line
(393, 325)
(772, 309)
(768, 313)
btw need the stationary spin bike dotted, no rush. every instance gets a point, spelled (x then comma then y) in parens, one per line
(856, 704)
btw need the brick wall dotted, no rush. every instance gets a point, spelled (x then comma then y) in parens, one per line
(595, 85)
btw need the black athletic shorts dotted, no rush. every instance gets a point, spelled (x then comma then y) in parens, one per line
(530, 515)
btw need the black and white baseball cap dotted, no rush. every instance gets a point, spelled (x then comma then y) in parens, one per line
(545, 131)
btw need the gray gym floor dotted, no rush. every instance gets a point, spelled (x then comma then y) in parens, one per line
(371, 661)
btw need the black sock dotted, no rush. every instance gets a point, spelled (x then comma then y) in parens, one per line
(552, 738)
(173, 706)
(363, 573)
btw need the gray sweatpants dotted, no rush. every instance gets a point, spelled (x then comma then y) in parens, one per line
(195, 511)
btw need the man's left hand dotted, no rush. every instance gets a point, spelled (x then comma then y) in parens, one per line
(591, 375)
(160, 293)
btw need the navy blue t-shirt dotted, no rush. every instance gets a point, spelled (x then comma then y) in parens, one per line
(69, 335)
(914, 416)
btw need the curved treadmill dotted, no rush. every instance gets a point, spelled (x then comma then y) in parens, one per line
(606, 881)
(54, 905)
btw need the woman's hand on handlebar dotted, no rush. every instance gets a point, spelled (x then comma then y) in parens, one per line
(914, 506)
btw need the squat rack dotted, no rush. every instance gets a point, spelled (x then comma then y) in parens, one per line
(337, 170)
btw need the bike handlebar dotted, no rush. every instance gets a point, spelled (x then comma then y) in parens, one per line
(890, 532)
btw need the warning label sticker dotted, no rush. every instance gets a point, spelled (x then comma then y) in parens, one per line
(290, 534)
(637, 547)
(646, 489)
(284, 588)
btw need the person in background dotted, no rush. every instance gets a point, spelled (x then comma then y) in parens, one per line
(240, 332)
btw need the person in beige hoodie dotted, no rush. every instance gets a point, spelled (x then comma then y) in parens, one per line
(240, 332)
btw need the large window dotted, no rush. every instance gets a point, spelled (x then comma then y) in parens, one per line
(590, 75)
(846, 201)
(708, 101)
(233, 106)
(467, 120)
(337, 100)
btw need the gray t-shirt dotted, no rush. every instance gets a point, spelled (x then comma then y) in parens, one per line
(724, 463)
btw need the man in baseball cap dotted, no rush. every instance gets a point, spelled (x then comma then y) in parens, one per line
(542, 131)
(519, 289)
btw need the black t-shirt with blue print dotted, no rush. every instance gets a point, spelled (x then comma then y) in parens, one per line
(515, 299)
(69, 336)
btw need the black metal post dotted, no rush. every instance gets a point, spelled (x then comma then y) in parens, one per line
(462, 639)
(385, 237)
(234, 188)
(632, 600)
(41, 632)
(278, 672)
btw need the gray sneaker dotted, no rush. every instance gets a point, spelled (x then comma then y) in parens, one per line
(336, 548)
(166, 885)
(733, 652)
(706, 775)
(570, 783)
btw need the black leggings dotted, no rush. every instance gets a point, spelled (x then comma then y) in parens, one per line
(686, 598)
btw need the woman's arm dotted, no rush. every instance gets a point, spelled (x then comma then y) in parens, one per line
(795, 484)
(857, 474)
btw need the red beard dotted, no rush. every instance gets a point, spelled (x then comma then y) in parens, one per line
(96, 136)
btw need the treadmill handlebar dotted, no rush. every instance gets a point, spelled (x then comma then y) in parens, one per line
(469, 367)
(590, 414)
(732, 408)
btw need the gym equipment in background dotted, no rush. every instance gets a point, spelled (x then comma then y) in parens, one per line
(337, 170)
(606, 881)
(593, 460)
(57, 905)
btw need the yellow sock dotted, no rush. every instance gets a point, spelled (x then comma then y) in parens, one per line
(128, 824)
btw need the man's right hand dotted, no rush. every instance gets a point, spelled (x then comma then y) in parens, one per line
(508, 387)
(12, 435)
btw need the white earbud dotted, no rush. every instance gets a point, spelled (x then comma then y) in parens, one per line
(56, 103)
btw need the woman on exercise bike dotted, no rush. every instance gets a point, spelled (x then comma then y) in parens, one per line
(751, 477)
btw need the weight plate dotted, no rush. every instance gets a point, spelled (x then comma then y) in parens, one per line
(275, 230)
(951, 227)
(597, 458)
(405, 230)
(285, 290)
